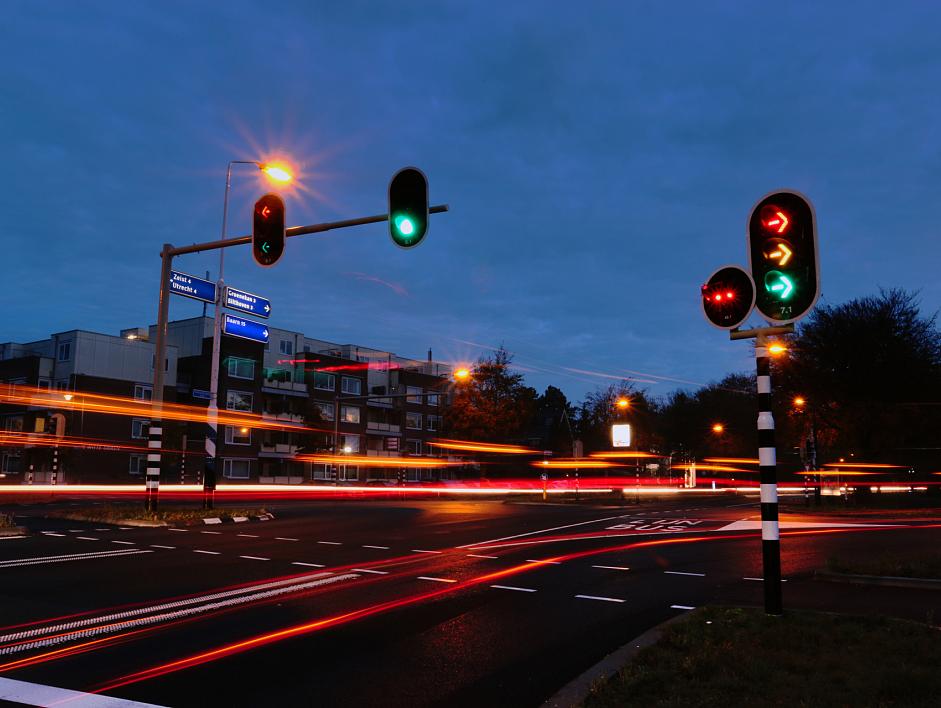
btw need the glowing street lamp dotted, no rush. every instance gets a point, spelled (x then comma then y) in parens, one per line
(623, 403)
(799, 401)
(276, 172)
(462, 374)
(777, 349)
(718, 428)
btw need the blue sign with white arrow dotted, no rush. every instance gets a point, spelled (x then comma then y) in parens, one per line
(247, 302)
(246, 329)
(191, 286)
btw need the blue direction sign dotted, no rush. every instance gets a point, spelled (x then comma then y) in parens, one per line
(191, 286)
(246, 329)
(246, 302)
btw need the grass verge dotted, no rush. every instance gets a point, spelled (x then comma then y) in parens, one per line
(734, 657)
(120, 513)
(917, 563)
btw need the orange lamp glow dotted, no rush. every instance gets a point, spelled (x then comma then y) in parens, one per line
(462, 374)
(622, 403)
(718, 428)
(277, 172)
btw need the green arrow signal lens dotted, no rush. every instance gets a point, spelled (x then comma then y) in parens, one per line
(404, 225)
(779, 285)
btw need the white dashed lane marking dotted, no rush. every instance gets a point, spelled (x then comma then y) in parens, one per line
(86, 538)
(330, 543)
(378, 548)
(681, 607)
(124, 543)
(309, 565)
(157, 545)
(677, 572)
(418, 550)
(255, 558)
(511, 587)
(611, 567)
(214, 533)
(474, 555)
(282, 538)
(367, 570)
(51, 533)
(599, 598)
(180, 530)
(208, 553)
(761, 580)
(246, 535)
(436, 580)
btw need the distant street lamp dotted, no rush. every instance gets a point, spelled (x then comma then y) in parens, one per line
(799, 402)
(623, 403)
(718, 428)
(462, 374)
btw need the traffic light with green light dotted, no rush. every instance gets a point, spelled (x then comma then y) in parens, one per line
(408, 207)
(268, 230)
(782, 256)
(728, 297)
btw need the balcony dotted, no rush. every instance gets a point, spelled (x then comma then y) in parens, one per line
(293, 418)
(377, 426)
(382, 453)
(279, 386)
(270, 449)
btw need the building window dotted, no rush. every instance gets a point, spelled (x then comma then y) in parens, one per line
(325, 382)
(413, 447)
(411, 474)
(287, 347)
(138, 464)
(143, 392)
(351, 386)
(349, 473)
(139, 428)
(349, 444)
(239, 401)
(236, 469)
(432, 399)
(62, 385)
(13, 423)
(65, 351)
(434, 422)
(241, 368)
(321, 471)
(413, 421)
(349, 414)
(44, 383)
(414, 394)
(12, 463)
(238, 436)
(325, 410)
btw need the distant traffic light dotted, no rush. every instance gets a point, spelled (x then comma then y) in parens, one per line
(728, 297)
(782, 256)
(268, 230)
(408, 207)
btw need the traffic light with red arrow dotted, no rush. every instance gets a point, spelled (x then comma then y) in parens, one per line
(782, 256)
(268, 230)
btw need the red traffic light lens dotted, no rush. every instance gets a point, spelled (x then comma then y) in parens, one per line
(775, 219)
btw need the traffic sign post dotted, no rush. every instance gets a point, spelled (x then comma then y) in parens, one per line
(244, 328)
(246, 302)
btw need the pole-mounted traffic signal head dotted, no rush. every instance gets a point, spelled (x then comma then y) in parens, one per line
(782, 256)
(728, 297)
(408, 207)
(268, 230)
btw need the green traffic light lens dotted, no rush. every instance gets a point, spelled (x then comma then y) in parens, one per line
(779, 285)
(404, 225)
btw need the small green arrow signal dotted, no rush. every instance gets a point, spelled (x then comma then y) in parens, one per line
(779, 284)
(265, 247)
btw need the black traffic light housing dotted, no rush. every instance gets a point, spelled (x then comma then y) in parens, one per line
(782, 255)
(728, 297)
(408, 207)
(268, 230)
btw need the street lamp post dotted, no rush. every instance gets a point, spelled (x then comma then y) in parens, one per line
(209, 475)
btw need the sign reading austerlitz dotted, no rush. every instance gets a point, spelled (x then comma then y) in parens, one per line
(247, 302)
(191, 286)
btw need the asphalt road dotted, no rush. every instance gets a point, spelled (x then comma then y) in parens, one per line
(393, 603)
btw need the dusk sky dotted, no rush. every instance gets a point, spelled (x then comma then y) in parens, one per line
(599, 159)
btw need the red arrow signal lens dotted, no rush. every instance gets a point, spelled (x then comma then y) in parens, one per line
(775, 219)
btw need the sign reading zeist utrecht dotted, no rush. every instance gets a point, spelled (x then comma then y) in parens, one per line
(621, 435)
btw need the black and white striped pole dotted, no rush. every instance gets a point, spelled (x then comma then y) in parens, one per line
(767, 459)
(152, 481)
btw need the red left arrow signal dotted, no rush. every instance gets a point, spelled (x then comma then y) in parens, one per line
(265, 211)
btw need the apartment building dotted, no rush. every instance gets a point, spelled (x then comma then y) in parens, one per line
(315, 396)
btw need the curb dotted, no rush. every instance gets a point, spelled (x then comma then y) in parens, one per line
(14, 532)
(883, 580)
(234, 519)
(578, 689)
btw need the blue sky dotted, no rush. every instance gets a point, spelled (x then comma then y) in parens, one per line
(599, 159)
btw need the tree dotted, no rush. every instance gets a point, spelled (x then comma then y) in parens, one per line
(599, 411)
(870, 372)
(553, 423)
(493, 405)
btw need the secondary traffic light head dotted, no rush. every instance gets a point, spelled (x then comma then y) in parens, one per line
(268, 230)
(728, 297)
(782, 255)
(408, 207)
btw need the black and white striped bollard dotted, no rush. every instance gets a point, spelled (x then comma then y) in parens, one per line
(767, 458)
(152, 482)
